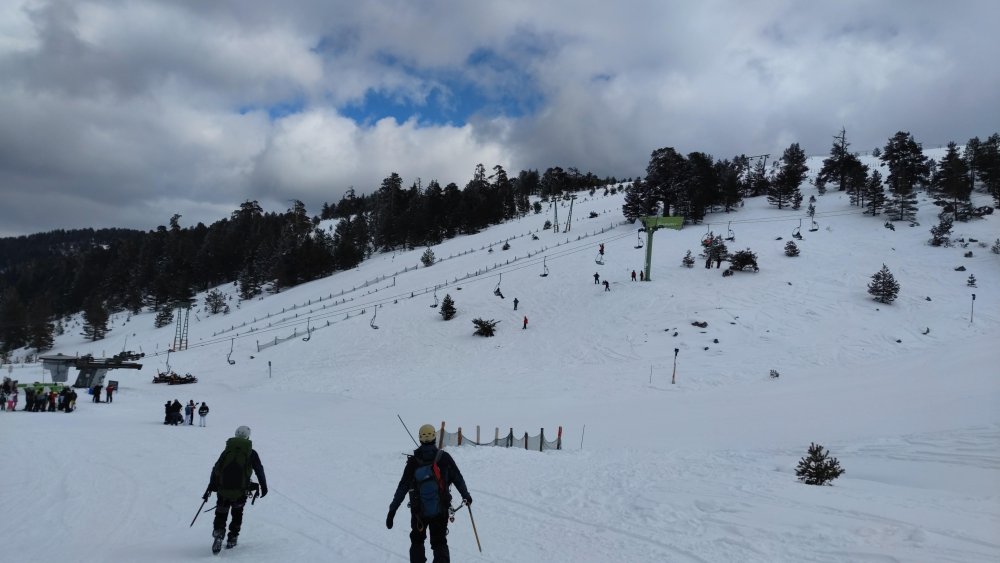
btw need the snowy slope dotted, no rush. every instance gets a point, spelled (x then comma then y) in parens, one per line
(702, 470)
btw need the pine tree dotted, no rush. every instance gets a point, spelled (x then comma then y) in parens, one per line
(941, 233)
(742, 260)
(164, 316)
(447, 311)
(883, 286)
(688, 260)
(791, 249)
(951, 181)
(874, 194)
(907, 169)
(427, 258)
(784, 190)
(972, 281)
(816, 468)
(485, 328)
(215, 302)
(95, 319)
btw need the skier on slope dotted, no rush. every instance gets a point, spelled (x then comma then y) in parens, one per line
(428, 504)
(230, 481)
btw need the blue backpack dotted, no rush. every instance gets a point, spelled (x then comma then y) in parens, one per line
(430, 494)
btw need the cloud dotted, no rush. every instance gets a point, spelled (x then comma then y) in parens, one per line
(122, 114)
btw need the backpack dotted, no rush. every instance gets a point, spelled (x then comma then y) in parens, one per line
(231, 474)
(430, 498)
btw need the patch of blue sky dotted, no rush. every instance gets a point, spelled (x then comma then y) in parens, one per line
(487, 85)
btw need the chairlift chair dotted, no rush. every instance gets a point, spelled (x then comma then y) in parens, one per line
(815, 227)
(435, 304)
(600, 259)
(545, 268)
(796, 232)
(731, 236)
(638, 237)
(496, 290)
(372, 323)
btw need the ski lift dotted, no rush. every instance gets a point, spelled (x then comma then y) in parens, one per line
(796, 233)
(435, 304)
(731, 236)
(496, 290)
(638, 237)
(309, 333)
(372, 323)
(815, 227)
(545, 268)
(599, 260)
(229, 358)
(707, 239)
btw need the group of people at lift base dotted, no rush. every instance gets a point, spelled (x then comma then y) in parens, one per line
(38, 397)
(427, 478)
(172, 413)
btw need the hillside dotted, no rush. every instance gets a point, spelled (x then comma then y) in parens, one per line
(905, 395)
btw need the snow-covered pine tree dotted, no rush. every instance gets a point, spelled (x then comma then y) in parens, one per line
(972, 281)
(816, 468)
(447, 308)
(791, 249)
(883, 286)
(688, 260)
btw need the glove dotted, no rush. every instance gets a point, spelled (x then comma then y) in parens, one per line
(468, 500)
(388, 519)
(263, 491)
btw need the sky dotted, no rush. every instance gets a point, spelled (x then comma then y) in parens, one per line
(121, 114)
(699, 470)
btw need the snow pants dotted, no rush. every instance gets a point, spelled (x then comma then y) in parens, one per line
(439, 539)
(222, 510)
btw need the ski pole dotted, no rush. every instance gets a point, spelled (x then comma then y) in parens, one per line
(199, 511)
(474, 529)
(407, 430)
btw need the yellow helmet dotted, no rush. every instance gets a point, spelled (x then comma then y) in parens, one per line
(427, 434)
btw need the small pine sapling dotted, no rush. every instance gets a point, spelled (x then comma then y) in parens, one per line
(448, 310)
(972, 281)
(883, 287)
(940, 235)
(688, 260)
(996, 247)
(775, 374)
(791, 249)
(506, 246)
(485, 328)
(816, 468)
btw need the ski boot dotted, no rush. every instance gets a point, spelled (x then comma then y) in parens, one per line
(231, 542)
(217, 543)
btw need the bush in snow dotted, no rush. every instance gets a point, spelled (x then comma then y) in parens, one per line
(816, 468)
(941, 233)
(688, 260)
(742, 260)
(996, 247)
(791, 249)
(883, 287)
(485, 328)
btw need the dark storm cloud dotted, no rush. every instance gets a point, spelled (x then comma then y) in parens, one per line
(122, 113)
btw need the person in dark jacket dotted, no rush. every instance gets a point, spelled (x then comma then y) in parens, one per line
(166, 412)
(233, 499)
(202, 412)
(438, 525)
(175, 409)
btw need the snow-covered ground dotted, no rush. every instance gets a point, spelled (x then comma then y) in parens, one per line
(701, 470)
